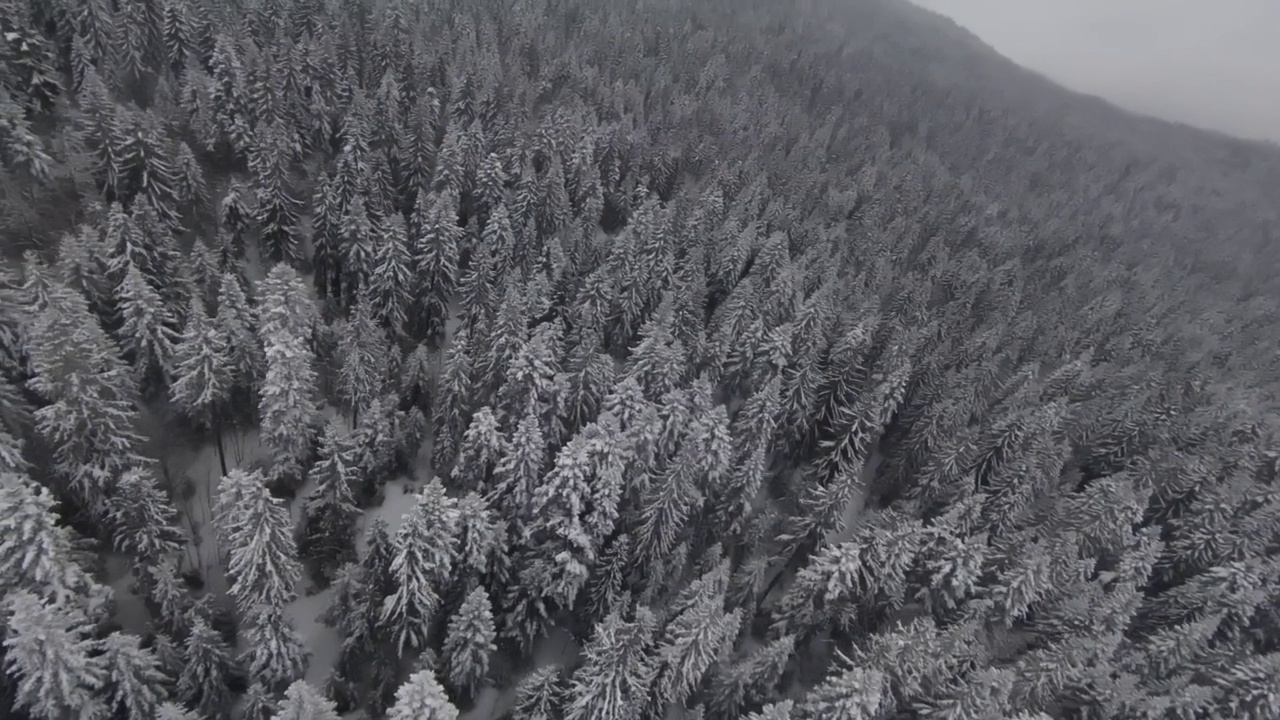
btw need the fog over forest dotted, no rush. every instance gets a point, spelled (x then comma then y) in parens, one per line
(1209, 64)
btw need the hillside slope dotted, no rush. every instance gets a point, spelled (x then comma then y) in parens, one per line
(667, 360)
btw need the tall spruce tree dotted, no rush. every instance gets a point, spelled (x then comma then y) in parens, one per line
(330, 511)
(469, 643)
(203, 376)
(288, 395)
(90, 421)
(425, 550)
(257, 531)
(49, 650)
(422, 698)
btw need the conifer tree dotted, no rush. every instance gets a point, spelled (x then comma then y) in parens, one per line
(276, 654)
(481, 535)
(360, 230)
(606, 589)
(257, 703)
(421, 697)
(329, 515)
(288, 403)
(237, 324)
(375, 567)
(365, 354)
(203, 375)
(417, 376)
(450, 404)
(36, 553)
(303, 702)
(591, 376)
(256, 529)
(519, 470)
(540, 695)
(148, 332)
(847, 694)
(392, 283)
(133, 675)
(691, 643)
(479, 453)
(436, 238)
(278, 211)
(469, 642)
(425, 549)
(91, 418)
(174, 711)
(208, 665)
(142, 518)
(614, 681)
(48, 649)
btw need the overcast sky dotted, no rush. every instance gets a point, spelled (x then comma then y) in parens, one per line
(1211, 63)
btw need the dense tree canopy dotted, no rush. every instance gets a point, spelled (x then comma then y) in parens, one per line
(659, 360)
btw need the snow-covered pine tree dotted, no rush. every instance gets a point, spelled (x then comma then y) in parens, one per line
(82, 265)
(533, 376)
(691, 643)
(481, 535)
(142, 518)
(519, 470)
(751, 680)
(174, 711)
(375, 567)
(571, 511)
(203, 682)
(374, 443)
(203, 375)
(256, 529)
(36, 553)
(276, 654)
(849, 693)
(421, 697)
(469, 643)
(278, 211)
(391, 286)
(417, 376)
(237, 323)
(303, 702)
(478, 455)
(136, 682)
(49, 650)
(540, 695)
(359, 230)
(148, 332)
(451, 402)
(425, 549)
(257, 703)
(90, 421)
(329, 514)
(591, 376)
(288, 396)
(606, 588)
(613, 683)
(364, 355)
(435, 240)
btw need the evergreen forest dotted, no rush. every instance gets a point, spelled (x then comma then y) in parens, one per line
(650, 360)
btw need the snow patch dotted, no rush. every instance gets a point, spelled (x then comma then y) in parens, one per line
(130, 609)
(324, 642)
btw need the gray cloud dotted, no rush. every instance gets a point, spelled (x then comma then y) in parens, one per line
(1210, 64)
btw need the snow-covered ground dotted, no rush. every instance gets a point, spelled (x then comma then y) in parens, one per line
(130, 611)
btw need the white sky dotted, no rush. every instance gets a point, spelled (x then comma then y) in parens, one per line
(1210, 63)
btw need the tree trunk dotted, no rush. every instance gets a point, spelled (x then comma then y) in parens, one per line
(222, 451)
